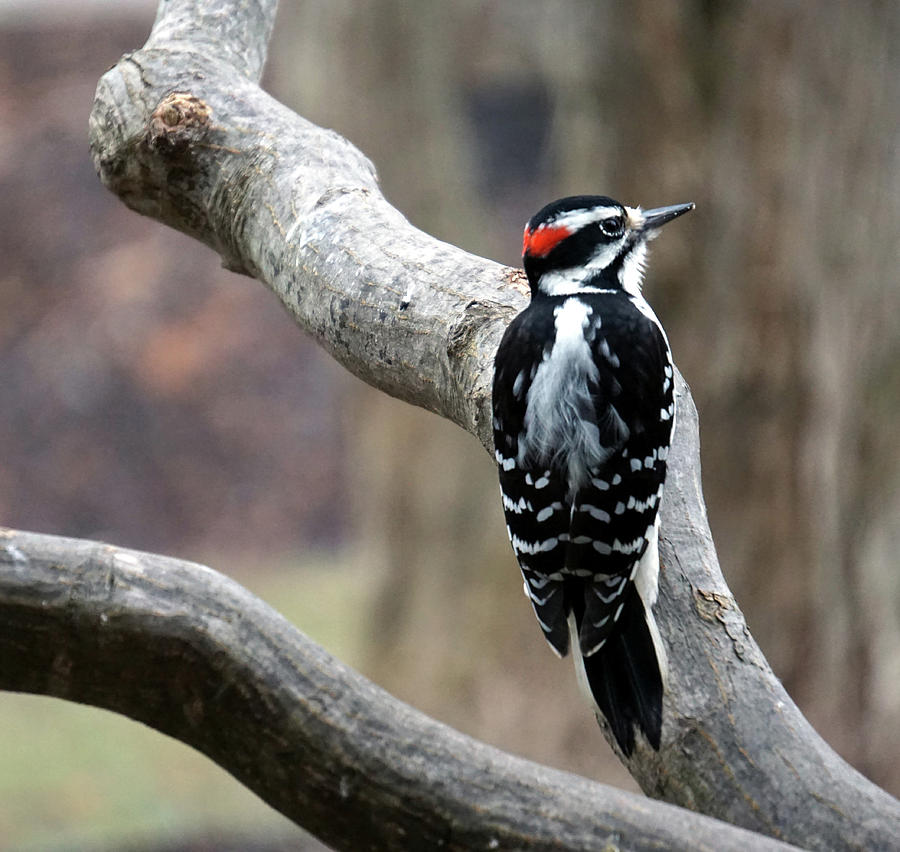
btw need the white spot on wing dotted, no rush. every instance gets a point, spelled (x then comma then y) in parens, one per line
(629, 547)
(607, 598)
(528, 547)
(538, 581)
(594, 512)
(517, 506)
(541, 601)
(547, 511)
(517, 384)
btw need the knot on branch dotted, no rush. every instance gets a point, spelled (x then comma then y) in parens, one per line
(179, 121)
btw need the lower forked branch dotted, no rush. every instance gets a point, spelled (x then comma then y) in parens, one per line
(193, 654)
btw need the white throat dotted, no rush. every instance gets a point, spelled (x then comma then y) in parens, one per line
(631, 272)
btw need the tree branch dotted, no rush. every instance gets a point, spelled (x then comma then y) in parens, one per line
(182, 133)
(193, 654)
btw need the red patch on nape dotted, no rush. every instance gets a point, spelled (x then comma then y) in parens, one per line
(542, 241)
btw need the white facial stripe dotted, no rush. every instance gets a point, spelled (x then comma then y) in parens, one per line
(575, 220)
(604, 255)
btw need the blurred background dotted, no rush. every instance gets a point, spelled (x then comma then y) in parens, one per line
(154, 400)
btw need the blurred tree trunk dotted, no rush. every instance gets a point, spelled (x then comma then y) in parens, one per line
(805, 156)
(780, 120)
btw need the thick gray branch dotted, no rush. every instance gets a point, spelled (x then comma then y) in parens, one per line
(182, 133)
(193, 654)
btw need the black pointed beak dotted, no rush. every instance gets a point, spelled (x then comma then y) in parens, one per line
(658, 217)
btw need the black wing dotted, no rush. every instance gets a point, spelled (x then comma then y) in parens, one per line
(534, 499)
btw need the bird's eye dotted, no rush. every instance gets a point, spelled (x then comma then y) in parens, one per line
(613, 226)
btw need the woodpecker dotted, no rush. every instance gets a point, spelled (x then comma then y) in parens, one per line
(583, 412)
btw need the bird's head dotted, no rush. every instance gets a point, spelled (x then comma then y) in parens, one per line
(590, 242)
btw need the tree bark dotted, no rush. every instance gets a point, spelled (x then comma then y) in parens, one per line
(181, 132)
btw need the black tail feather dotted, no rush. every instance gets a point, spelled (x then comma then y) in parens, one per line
(625, 679)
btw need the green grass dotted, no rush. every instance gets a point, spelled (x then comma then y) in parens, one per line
(78, 778)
